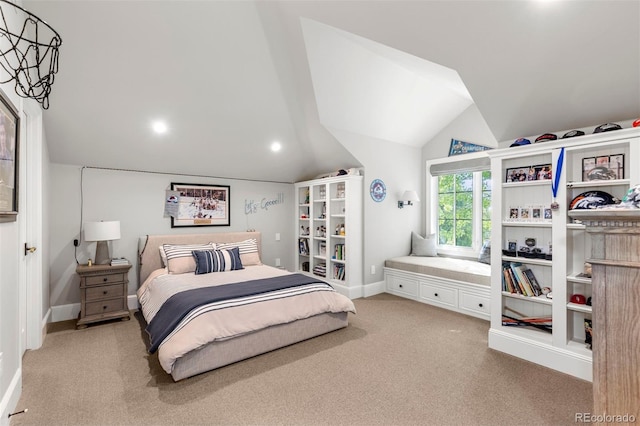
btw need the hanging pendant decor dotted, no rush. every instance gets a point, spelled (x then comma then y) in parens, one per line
(28, 53)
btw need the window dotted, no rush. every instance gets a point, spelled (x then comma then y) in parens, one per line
(463, 213)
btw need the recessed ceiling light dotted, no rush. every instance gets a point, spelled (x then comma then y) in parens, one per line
(276, 146)
(160, 127)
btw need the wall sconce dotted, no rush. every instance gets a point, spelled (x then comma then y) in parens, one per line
(102, 232)
(408, 198)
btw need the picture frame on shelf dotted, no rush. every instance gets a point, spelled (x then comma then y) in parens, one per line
(9, 170)
(516, 174)
(512, 246)
(588, 164)
(202, 205)
(525, 213)
(600, 167)
(514, 213)
(536, 213)
(547, 213)
(616, 165)
(543, 171)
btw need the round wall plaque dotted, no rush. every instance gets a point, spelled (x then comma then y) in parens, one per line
(377, 190)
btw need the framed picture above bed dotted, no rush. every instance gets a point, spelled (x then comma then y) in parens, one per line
(202, 205)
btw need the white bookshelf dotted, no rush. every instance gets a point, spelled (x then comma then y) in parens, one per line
(564, 348)
(332, 210)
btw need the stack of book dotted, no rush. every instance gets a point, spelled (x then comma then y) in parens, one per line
(517, 278)
(119, 261)
(339, 252)
(338, 272)
(320, 269)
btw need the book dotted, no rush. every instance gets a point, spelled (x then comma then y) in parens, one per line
(537, 289)
(517, 268)
(119, 261)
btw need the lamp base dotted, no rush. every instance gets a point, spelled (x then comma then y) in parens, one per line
(102, 253)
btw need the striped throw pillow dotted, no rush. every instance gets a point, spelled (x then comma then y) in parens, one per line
(208, 261)
(248, 251)
(179, 257)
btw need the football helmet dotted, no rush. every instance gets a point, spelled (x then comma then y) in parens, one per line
(592, 200)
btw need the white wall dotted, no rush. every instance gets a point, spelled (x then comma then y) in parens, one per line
(387, 229)
(136, 199)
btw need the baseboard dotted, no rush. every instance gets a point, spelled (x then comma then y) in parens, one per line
(71, 311)
(546, 355)
(374, 288)
(10, 399)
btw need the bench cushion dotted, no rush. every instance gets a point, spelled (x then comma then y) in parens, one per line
(470, 271)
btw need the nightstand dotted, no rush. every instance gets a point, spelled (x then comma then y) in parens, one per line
(103, 293)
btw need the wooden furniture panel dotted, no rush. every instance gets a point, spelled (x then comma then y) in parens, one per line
(616, 306)
(103, 293)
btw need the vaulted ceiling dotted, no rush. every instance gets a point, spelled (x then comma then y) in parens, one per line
(231, 77)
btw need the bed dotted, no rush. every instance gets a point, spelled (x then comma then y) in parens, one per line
(219, 313)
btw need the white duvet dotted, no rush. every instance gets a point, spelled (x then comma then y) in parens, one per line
(228, 323)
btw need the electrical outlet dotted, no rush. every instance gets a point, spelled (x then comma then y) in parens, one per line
(277, 261)
(277, 236)
(373, 269)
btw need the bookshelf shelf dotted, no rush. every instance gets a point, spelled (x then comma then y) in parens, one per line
(535, 299)
(538, 224)
(575, 278)
(579, 308)
(598, 183)
(530, 261)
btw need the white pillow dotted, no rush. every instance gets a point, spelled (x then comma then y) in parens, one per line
(421, 246)
(180, 260)
(248, 251)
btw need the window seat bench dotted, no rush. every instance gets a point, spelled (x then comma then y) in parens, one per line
(459, 285)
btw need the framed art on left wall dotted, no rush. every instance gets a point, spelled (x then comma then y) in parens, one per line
(9, 143)
(202, 205)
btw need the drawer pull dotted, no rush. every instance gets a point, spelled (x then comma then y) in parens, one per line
(400, 285)
(105, 279)
(435, 294)
(105, 292)
(104, 307)
(480, 305)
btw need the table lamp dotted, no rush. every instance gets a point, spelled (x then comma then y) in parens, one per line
(102, 232)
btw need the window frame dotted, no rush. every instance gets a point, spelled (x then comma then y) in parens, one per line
(433, 204)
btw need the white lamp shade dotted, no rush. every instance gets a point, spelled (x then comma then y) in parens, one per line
(410, 196)
(102, 231)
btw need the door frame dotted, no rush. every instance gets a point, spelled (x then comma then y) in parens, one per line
(30, 273)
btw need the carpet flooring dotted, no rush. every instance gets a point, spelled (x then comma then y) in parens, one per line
(399, 362)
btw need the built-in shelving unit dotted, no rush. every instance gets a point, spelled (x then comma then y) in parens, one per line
(561, 242)
(329, 228)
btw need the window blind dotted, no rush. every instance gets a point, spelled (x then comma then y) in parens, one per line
(470, 165)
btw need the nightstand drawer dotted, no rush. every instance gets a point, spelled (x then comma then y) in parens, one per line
(104, 307)
(104, 292)
(104, 279)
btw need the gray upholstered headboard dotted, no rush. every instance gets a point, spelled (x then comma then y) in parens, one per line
(149, 253)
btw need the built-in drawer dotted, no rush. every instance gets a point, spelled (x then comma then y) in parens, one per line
(104, 307)
(439, 295)
(402, 286)
(104, 279)
(475, 303)
(104, 292)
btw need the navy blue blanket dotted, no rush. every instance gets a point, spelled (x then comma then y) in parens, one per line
(179, 305)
